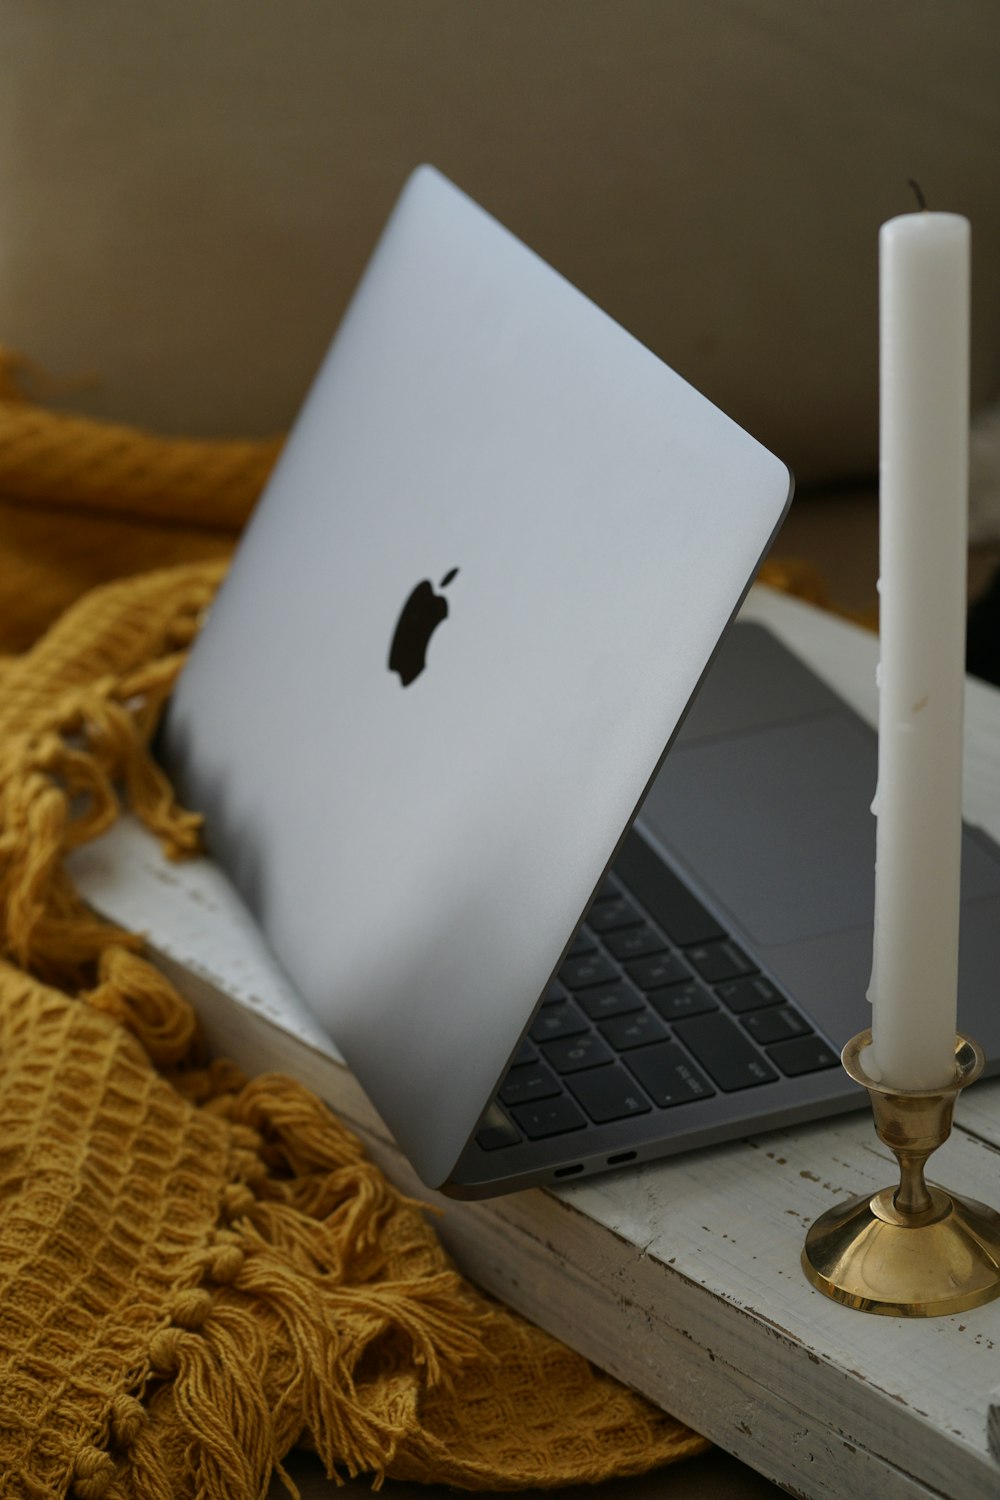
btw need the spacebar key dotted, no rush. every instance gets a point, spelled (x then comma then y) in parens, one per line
(728, 1057)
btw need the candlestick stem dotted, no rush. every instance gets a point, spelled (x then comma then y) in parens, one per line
(911, 1197)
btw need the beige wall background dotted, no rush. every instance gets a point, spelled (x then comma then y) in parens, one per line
(189, 188)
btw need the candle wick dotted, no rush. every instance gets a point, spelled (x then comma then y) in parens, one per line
(917, 192)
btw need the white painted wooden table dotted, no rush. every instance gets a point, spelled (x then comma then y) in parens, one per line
(683, 1277)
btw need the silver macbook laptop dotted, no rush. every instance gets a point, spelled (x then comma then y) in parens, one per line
(487, 577)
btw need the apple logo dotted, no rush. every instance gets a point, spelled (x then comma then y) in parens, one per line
(420, 617)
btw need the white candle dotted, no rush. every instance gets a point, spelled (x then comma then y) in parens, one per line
(924, 428)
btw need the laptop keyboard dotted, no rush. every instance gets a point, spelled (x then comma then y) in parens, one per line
(655, 1007)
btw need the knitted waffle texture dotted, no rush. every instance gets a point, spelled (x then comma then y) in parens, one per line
(197, 1271)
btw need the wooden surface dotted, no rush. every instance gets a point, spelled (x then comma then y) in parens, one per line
(681, 1277)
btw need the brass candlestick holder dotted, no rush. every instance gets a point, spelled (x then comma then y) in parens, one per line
(914, 1251)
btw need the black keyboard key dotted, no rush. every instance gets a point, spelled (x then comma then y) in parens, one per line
(691, 999)
(667, 899)
(634, 942)
(574, 1053)
(525, 1054)
(660, 970)
(581, 944)
(581, 973)
(612, 914)
(555, 1021)
(533, 1081)
(748, 994)
(609, 1094)
(806, 1054)
(608, 890)
(776, 1024)
(724, 1052)
(548, 1117)
(667, 1075)
(496, 1131)
(557, 994)
(610, 1000)
(638, 1030)
(717, 962)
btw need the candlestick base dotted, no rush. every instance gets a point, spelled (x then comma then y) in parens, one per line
(915, 1250)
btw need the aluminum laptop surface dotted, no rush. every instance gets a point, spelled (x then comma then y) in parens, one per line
(580, 525)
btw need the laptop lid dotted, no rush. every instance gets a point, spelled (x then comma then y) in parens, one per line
(464, 623)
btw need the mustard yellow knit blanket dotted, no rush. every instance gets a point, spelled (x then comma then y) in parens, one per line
(198, 1272)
